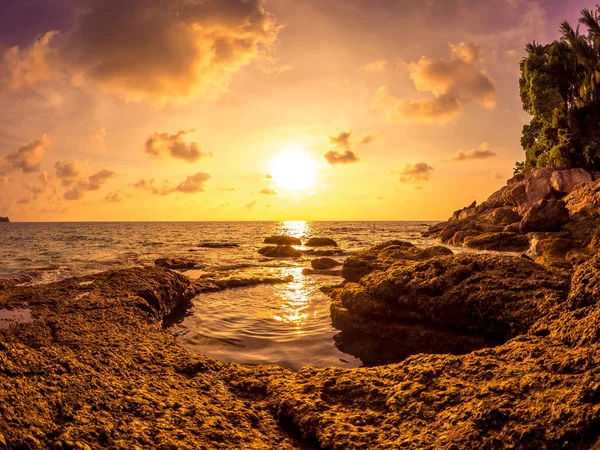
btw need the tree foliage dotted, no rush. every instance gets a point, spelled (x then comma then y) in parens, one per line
(560, 89)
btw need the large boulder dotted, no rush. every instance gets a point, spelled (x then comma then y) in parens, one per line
(545, 215)
(324, 263)
(584, 200)
(321, 242)
(280, 251)
(178, 263)
(566, 180)
(283, 240)
(501, 241)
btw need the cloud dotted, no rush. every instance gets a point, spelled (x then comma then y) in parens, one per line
(93, 183)
(250, 205)
(192, 184)
(482, 152)
(345, 157)
(20, 68)
(163, 144)
(453, 83)
(268, 176)
(375, 66)
(150, 50)
(497, 176)
(67, 172)
(269, 191)
(345, 154)
(28, 158)
(416, 173)
(117, 196)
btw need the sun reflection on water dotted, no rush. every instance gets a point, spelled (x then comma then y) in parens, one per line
(295, 228)
(296, 300)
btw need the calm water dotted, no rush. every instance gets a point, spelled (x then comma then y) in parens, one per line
(286, 324)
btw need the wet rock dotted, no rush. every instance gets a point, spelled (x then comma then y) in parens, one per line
(283, 240)
(178, 264)
(553, 250)
(329, 252)
(280, 251)
(382, 256)
(320, 242)
(218, 245)
(215, 284)
(329, 272)
(545, 215)
(566, 180)
(502, 241)
(324, 263)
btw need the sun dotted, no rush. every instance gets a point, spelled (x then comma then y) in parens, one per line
(293, 170)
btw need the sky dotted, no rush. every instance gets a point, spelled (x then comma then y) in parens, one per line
(142, 110)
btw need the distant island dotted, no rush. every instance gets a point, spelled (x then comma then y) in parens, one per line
(4, 219)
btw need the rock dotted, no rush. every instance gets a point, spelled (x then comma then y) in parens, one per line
(329, 252)
(505, 215)
(566, 180)
(218, 245)
(178, 264)
(283, 240)
(545, 215)
(101, 371)
(553, 250)
(280, 251)
(324, 263)
(501, 241)
(320, 242)
(4, 219)
(584, 200)
(384, 255)
(328, 272)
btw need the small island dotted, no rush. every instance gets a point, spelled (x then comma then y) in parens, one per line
(4, 219)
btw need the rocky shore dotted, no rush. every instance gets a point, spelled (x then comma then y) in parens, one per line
(556, 212)
(97, 366)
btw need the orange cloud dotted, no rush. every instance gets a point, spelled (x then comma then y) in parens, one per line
(375, 66)
(192, 184)
(28, 158)
(67, 172)
(452, 82)
(93, 183)
(343, 142)
(482, 152)
(416, 173)
(163, 144)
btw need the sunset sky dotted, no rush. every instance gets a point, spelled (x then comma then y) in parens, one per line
(251, 110)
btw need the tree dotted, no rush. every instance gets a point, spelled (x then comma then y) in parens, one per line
(560, 89)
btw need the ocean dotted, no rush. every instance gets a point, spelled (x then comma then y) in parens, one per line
(286, 324)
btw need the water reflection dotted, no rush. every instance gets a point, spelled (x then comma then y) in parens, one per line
(295, 228)
(286, 324)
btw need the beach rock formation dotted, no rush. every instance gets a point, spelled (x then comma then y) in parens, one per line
(178, 263)
(97, 369)
(321, 242)
(283, 240)
(324, 263)
(328, 272)
(4, 219)
(218, 245)
(280, 251)
(566, 202)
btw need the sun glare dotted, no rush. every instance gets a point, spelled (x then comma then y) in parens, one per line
(293, 170)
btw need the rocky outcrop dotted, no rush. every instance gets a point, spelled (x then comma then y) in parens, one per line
(4, 219)
(545, 200)
(283, 240)
(218, 245)
(500, 241)
(320, 242)
(178, 263)
(324, 263)
(382, 256)
(280, 251)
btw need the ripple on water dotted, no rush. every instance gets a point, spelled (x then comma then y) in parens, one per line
(285, 324)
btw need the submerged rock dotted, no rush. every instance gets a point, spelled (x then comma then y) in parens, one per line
(324, 263)
(178, 263)
(320, 242)
(283, 240)
(218, 245)
(280, 251)
(329, 252)
(329, 272)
